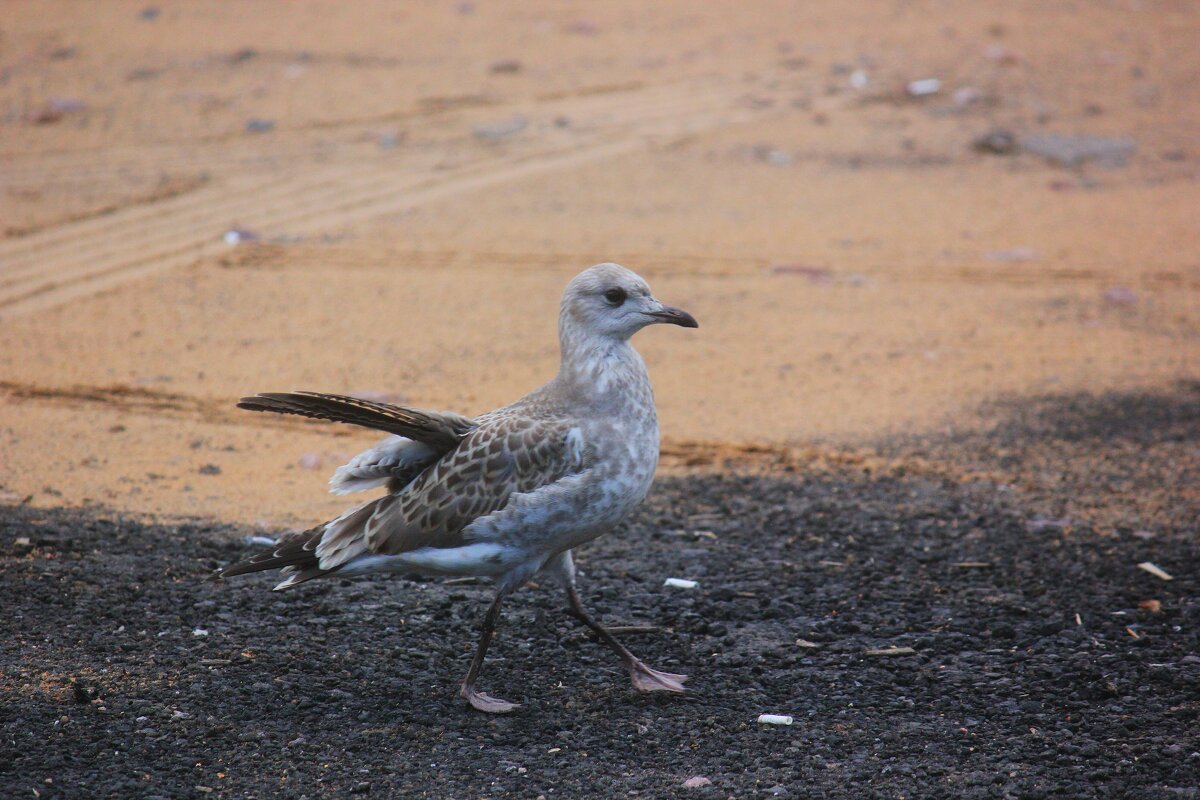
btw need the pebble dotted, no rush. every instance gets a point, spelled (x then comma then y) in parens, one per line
(1120, 296)
(259, 125)
(813, 273)
(1013, 254)
(236, 236)
(1072, 151)
(997, 141)
(497, 131)
(310, 461)
(390, 140)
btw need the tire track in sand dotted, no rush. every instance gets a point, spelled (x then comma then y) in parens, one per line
(79, 259)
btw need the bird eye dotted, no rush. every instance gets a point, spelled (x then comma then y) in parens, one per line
(615, 297)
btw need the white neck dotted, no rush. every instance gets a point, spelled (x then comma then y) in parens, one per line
(594, 368)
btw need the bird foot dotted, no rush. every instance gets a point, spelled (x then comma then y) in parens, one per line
(651, 680)
(486, 703)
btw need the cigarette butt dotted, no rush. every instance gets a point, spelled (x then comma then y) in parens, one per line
(1155, 570)
(774, 719)
(681, 583)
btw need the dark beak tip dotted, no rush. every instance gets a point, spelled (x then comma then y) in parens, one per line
(677, 316)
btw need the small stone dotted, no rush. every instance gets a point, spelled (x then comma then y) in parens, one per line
(1120, 296)
(389, 140)
(996, 142)
(210, 469)
(1012, 254)
(236, 236)
(696, 782)
(259, 125)
(1071, 151)
(310, 461)
(966, 95)
(497, 131)
(813, 273)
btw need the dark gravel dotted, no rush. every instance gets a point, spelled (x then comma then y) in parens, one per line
(111, 690)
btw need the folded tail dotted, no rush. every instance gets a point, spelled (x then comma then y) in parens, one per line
(295, 555)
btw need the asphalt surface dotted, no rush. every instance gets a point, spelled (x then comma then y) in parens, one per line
(932, 632)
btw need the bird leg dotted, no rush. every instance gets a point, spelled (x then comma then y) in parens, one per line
(644, 678)
(479, 700)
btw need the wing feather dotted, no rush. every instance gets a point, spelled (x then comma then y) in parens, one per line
(441, 430)
(507, 458)
(502, 458)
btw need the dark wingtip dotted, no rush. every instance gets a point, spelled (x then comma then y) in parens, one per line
(251, 403)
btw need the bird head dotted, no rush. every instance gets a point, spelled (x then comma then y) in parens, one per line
(612, 302)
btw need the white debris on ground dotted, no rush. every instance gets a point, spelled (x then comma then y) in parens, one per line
(681, 583)
(774, 719)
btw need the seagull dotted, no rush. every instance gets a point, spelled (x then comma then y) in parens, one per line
(510, 492)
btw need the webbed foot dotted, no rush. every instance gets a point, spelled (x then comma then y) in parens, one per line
(646, 679)
(487, 703)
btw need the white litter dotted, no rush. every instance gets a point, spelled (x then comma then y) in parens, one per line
(774, 719)
(1155, 570)
(259, 541)
(199, 632)
(236, 236)
(924, 87)
(681, 583)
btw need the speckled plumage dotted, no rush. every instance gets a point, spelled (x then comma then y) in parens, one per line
(510, 491)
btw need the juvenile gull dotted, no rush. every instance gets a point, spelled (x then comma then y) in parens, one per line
(509, 492)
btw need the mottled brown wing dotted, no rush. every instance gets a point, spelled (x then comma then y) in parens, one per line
(441, 430)
(502, 457)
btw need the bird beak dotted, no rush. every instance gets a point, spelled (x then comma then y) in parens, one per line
(673, 316)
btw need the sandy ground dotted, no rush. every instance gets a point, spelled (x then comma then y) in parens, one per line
(430, 175)
(965, 383)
